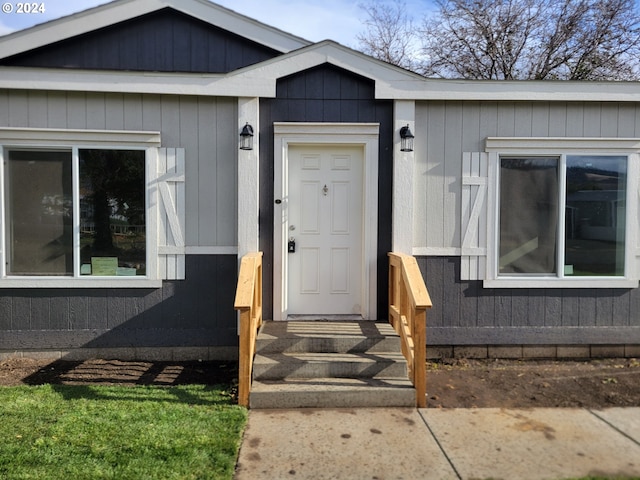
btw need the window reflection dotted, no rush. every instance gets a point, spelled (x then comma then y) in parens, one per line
(595, 215)
(39, 213)
(112, 212)
(528, 215)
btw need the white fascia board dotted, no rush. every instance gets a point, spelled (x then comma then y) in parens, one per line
(240, 25)
(504, 90)
(20, 78)
(260, 81)
(254, 81)
(123, 10)
(335, 54)
(366, 66)
(394, 83)
(279, 68)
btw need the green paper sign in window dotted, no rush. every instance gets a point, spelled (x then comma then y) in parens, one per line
(104, 266)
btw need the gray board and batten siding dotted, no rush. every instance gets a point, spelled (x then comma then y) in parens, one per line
(326, 94)
(196, 312)
(168, 41)
(194, 317)
(203, 126)
(466, 313)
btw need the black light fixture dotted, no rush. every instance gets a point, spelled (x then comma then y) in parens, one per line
(246, 137)
(406, 139)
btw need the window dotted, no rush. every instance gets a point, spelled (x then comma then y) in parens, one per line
(566, 216)
(112, 212)
(80, 216)
(41, 212)
(528, 215)
(595, 216)
(534, 236)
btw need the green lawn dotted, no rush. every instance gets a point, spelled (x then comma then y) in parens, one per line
(107, 432)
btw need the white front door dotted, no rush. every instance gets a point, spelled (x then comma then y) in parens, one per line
(325, 230)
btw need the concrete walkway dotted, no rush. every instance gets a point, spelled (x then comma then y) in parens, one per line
(440, 444)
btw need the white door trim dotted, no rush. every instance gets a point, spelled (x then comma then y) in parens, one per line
(352, 134)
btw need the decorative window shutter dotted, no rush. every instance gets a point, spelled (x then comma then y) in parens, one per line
(171, 189)
(474, 215)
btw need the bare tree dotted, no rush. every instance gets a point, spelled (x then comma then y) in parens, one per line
(518, 39)
(587, 40)
(480, 39)
(609, 40)
(390, 34)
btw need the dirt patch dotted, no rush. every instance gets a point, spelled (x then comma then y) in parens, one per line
(450, 383)
(25, 371)
(595, 384)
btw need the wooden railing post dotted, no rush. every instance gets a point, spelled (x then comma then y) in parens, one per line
(249, 303)
(408, 304)
(393, 291)
(244, 359)
(420, 355)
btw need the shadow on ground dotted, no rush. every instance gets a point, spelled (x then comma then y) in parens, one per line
(118, 372)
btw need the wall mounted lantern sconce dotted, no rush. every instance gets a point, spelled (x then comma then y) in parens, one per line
(246, 137)
(406, 139)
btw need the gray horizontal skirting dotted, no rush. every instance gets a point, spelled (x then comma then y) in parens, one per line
(532, 335)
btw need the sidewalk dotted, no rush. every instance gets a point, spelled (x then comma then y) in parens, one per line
(439, 444)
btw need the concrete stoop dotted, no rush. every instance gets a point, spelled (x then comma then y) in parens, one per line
(329, 364)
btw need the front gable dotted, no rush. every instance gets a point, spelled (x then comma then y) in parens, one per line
(387, 79)
(327, 82)
(163, 41)
(149, 35)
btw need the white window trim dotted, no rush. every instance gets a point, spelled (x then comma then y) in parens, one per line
(497, 147)
(75, 140)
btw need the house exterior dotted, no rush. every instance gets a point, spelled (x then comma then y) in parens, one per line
(126, 199)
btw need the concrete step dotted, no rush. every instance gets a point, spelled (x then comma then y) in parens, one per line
(325, 364)
(276, 366)
(327, 337)
(333, 393)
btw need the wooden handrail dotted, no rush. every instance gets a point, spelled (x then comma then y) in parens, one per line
(249, 303)
(408, 303)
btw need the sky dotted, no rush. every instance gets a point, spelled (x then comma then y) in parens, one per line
(313, 20)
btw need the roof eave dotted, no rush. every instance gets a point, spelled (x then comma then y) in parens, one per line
(260, 81)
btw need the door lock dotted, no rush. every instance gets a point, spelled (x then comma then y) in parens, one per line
(291, 248)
